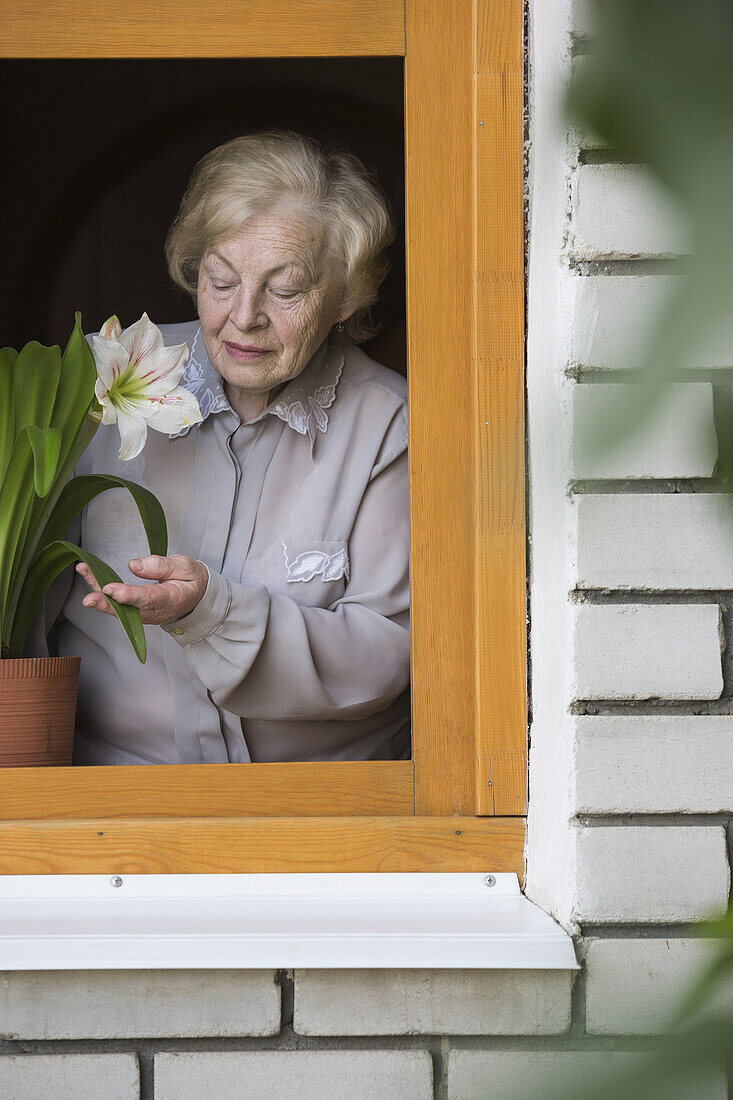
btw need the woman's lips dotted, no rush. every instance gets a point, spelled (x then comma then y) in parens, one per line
(244, 353)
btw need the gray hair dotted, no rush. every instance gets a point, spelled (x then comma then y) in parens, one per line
(248, 175)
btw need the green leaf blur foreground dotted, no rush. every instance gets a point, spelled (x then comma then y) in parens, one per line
(699, 1038)
(657, 89)
(48, 416)
(688, 1062)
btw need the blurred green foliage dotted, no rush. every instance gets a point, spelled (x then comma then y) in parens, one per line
(658, 90)
(699, 1038)
(686, 1063)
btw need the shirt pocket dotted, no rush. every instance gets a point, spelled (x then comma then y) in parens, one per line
(315, 571)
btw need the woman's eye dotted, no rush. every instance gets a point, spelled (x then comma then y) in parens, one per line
(222, 286)
(286, 294)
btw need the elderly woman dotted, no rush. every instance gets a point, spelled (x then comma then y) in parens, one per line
(279, 624)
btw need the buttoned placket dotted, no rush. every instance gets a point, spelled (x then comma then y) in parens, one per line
(235, 458)
(199, 731)
(220, 534)
(251, 447)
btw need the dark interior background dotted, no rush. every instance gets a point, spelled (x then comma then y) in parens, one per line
(97, 155)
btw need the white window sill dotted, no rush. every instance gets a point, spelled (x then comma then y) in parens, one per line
(84, 922)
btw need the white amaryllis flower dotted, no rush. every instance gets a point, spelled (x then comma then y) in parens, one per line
(138, 381)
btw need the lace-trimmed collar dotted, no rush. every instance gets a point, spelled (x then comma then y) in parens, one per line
(301, 404)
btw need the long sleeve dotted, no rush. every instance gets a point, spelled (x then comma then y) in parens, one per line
(263, 655)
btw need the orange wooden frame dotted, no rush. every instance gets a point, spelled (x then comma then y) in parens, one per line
(458, 804)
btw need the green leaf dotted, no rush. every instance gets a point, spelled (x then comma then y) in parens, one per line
(75, 496)
(45, 444)
(36, 520)
(658, 89)
(66, 406)
(76, 388)
(35, 382)
(7, 433)
(16, 501)
(81, 490)
(50, 562)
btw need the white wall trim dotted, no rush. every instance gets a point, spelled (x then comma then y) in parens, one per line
(551, 856)
(93, 922)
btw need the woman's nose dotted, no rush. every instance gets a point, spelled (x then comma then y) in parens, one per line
(248, 309)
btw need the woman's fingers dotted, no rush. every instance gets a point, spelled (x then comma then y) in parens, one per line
(157, 603)
(157, 568)
(181, 582)
(84, 571)
(146, 597)
(95, 598)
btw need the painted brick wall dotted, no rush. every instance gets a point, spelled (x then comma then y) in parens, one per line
(631, 759)
(631, 769)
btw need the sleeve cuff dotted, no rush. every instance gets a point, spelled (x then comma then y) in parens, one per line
(208, 614)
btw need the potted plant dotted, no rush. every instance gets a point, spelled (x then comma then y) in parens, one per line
(51, 405)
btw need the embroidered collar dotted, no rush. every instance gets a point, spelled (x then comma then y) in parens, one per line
(301, 404)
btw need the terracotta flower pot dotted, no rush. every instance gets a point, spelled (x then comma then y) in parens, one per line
(37, 710)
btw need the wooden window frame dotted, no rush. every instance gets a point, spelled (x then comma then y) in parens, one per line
(458, 805)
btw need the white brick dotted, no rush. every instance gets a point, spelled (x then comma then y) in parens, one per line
(118, 1004)
(674, 438)
(639, 651)
(637, 986)
(614, 317)
(671, 540)
(69, 1077)
(651, 764)
(448, 1002)
(570, 1075)
(622, 212)
(285, 1075)
(657, 874)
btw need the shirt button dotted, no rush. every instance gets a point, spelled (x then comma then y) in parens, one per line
(179, 630)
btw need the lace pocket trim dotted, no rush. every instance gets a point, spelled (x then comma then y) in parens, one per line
(316, 563)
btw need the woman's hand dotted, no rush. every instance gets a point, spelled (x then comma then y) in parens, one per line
(181, 584)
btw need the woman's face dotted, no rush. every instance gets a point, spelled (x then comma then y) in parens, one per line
(267, 298)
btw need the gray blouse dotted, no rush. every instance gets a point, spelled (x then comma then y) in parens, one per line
(299, 648)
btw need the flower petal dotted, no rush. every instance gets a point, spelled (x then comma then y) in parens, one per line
(111, 359)
(160, 371)
(111, 329)
(174, 411)
(109, 413)
(133, 433)
(141, 338)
